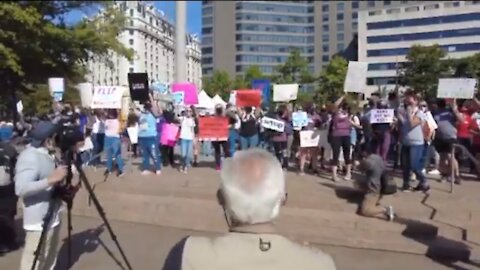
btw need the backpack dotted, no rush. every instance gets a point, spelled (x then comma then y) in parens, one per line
(8, 158)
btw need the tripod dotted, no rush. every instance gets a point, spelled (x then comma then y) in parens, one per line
(69, 201)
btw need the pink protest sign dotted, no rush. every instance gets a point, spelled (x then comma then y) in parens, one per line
(169, 134)
(189, 90)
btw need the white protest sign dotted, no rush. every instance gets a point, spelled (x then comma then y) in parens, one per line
(431, 121)
(178, 98)
(19, 107)
(56, 85)
(461, 88)
(356, 79)
(86, 93)
(133, 134)
(285, 92)
(107, 97)
(233, 98)
(273, 124)
(381, 116)
(309, 138)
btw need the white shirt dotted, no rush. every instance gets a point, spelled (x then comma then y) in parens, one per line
(112, 128)
(98, 127)
(186, 128)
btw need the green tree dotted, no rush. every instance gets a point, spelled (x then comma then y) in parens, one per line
(294, 70)
(245, 81)
(219, 83)
(424, 66)
(36, 43)
(332, 79)
(474, 67)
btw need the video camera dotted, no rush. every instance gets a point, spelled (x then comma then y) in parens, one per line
(69, 133)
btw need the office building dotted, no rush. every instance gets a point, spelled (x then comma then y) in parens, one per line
(386, 35)
(152, 36)
(239, 34)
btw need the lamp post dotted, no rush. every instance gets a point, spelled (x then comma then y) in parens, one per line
(180, 41)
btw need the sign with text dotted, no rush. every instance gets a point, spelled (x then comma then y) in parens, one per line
(190, 96)
(264, 86)
(461, 88)
(159, 87)
(273, 124)
(178, 98)
(56, 85)
(356, 79)
(169, 134)
(381, 116)
(213, 128)
(138, 84)
(309, 138)
(107, 97)
(285, 92)
(86, 93)
(248, 98)
(299, 119)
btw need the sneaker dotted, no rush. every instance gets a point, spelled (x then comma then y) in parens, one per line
(121, 174)
(158, 172)
(390, 213)
(424, 171)
(347, 177)
(301, 173)
(144, 173)
(218, 168)
(195, 164)
(434, 172)
(422, 188)
(406, 189)
(184, 170)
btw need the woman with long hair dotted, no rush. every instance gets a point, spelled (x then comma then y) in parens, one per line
(113, 145)
(341, 128)
(248, 129)
(187, 135)
(148, 141)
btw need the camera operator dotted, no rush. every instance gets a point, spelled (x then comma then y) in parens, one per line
(35, 177)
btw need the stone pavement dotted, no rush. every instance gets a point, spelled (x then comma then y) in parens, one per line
(318, 211)
(146, 247)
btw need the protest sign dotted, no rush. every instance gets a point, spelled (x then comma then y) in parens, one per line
(431, 121)
(381, 116)
(178, 98)
(133, 134)
(213, 128)
(461, 88)
(309, 138)
(107, 97)
(169, 134)
(190, 92)
(19, 107)
(233, 98)
(285, 92)
(356, 79)
(299, 119)
(138, 84)
(159, 87)
(264, 86)
(56, 86)
(273, 124)
(248, 98)
(86, 93)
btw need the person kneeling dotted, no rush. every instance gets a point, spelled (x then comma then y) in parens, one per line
(374, 185)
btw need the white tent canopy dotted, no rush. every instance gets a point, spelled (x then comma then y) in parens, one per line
(204, 101)
(218, 100)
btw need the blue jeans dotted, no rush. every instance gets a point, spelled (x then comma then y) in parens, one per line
(207, 148)
(412, 157)
(186, 147)
(249, 142)
(86, 157)
(149, 147)
(98, 140)
(113, 149)
(232, 140)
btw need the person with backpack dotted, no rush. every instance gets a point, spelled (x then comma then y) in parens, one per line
(8, 199)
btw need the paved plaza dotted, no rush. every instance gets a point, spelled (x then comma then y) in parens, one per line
(438, 230)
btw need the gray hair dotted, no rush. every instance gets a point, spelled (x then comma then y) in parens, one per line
(253, 186)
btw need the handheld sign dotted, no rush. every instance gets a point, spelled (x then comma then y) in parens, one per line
(248, 98)
(273, 124)
(138, 84)
(107, 97)
(86, 93)
(189, 90)
(169, 134)
(178, 98)
(285, 92)
(356, 79)
(309, 138)
(461, 88)
(264, 86)
(213, 128)
(299, 119)
(381, 116)
(133, 134)
(159, 87)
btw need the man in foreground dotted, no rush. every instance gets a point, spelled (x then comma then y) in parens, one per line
(251, 193)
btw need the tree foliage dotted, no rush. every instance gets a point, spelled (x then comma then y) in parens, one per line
(294, 70)
(424, 66)
(245, 81)
(36, 43)
(219, 83)
(332, 79)
(473, 67)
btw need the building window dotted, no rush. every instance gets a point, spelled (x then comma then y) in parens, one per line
(340, 6)
(131, 32)
(325, 37)
(340, 27)
(325, 18)
(451, 4)
(131, 22)
(430, 7)
(151, 21)
(325, 58)
(325, 27)
(325, 48)
(412, 9)
(207, 30)
(340, 47)
(354, 5)
(371, 3)
(130, 41)
(355, 26)
(340, 36)
(131, 12)
(386, 3)
(354, 15)
(325, 8)
(339, 16)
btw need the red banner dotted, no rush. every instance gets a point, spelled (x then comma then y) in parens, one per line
(213, 128)
(248, 98)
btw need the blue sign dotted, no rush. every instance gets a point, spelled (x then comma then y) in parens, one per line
(178, 98)
(299, 119)
(264, 86)
(159, 87)
(58, 96)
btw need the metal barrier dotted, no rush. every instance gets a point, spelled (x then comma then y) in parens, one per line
(464, 151)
